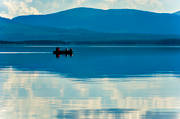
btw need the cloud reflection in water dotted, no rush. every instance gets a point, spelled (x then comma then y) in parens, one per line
(41, 94)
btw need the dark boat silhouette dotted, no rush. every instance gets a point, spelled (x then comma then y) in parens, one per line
(66, 52)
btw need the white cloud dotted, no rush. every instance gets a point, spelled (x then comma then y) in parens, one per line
(28, 1)
(12, 8)
(112, 1)
(141, 1)
(16, 8)
(79, 2)
(150, 5)
(78, 95)
(3, 14)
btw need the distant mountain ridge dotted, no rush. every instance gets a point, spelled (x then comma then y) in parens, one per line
(13, 31)
(109, 21)
(92, 26)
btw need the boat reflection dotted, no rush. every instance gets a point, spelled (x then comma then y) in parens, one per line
(97, 83)
(99, 62)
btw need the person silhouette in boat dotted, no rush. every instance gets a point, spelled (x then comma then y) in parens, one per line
(66, 52)
(57, 51)
(70, 50)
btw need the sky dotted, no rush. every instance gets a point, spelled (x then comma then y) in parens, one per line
(13, 8)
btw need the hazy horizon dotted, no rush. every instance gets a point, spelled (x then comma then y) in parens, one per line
(85, 7)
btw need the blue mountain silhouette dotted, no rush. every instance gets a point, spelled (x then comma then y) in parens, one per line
(88, 25)
(109, 21)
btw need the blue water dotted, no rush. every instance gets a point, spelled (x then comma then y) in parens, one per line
(95, 83)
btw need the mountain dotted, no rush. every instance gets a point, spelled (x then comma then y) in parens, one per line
(13, 31)
(92, 26)
(109, 21)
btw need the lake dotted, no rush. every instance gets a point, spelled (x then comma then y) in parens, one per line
(97, 82)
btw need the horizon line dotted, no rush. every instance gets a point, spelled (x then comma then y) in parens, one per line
(92, 8)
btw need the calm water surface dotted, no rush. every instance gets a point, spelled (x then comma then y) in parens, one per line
(96, 83)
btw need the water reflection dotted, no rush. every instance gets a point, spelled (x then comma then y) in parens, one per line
(125, 83)
(97, 62)
(37, 94)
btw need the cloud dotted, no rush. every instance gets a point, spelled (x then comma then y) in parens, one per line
(112, 1)
(12, 8)
(79, 2)
(15, 8)
(149, 5)
(142, 2)
(3, 14)
(34, 93)
(28, 1)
